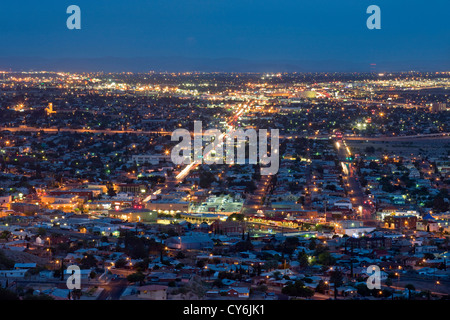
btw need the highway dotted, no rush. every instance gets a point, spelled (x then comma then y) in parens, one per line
(254, 201)
(351, 183)
(443, 135)
(73, 130)
(391, 104)
(193, 165)
(113, 290)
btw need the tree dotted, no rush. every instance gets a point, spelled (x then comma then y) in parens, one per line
(139, 248)
(321, 287)
(261, 288)
(5, 235)
(277, 275)
(428, 256)
(386, 293)
(439, 204)
(236, 217)
(373, 165)
(110, 190)
(41, 232)
(410, 288)
(136, 277)
(370, 150)
(303, 259)
(179, 266)
(206, 178)
(297, 289)
(57, 273)
(337, 278)
(5, 263)
(388, 282)
(245, 245)
(39, 297)
(180, 255)
(325, 259)
(120, 263)
(289, 245)
(6, 294)
(88, 261)
(218, 283)
(312, 244)
(141, 265)
(363, 290)
(270, 265)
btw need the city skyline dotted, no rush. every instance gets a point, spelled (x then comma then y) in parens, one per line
(225, 156)
(222, 36)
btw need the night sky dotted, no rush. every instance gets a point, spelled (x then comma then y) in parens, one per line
(318, 33)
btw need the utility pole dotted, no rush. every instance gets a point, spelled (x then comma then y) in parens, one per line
(351, 262)
(62, 270)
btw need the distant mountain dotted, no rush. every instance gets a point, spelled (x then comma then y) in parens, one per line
(182, 64)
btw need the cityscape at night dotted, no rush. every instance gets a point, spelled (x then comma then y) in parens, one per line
(213, 184)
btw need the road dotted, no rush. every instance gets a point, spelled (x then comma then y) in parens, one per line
(391, 104)
(194, 164)
(73, 130)
(442, 287)
(113, 290)
(443, 135)
(352, 184)
(255, 201)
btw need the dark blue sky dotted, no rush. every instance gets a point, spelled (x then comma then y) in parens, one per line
(256, 30)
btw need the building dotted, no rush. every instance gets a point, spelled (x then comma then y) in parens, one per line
(84, 274)
(385, 212)
(238, 292)
(152, 292)
(24, 266)
(153, 159)
(134, 215)
(352, 228)
(344, 203)
(189, 242)
(13, 274)
(132, 187)
(400, 222)
(169, 206)
(5, 202)
(228, 227)
(26, 208)
(427, 225)
(49, 110)
(368, 243)
(438, 106)
(355, 231)
(199, 218)
(81, 193)
(63, 202)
